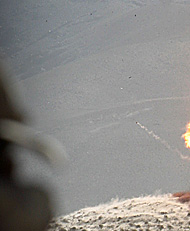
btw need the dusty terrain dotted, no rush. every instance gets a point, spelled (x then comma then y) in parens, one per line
(106, 78)
(162, 212)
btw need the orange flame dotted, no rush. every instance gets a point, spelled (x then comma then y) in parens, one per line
(186, 136)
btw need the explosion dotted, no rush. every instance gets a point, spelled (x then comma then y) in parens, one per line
(186, 136)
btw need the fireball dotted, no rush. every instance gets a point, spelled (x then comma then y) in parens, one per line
(186, 136)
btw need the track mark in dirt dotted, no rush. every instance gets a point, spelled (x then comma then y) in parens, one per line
(161, 99)
(104, 127)
(122, 116)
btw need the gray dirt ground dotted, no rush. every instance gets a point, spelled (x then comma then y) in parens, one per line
(87, 72)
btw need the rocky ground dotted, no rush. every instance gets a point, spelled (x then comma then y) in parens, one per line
(162, 212)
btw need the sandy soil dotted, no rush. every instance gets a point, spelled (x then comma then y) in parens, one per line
(162, 212)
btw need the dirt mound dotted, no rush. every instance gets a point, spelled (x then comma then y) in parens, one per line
(162, 212)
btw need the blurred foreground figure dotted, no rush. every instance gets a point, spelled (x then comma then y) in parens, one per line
(21, 208)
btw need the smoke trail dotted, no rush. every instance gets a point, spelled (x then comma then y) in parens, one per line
(163, 142)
